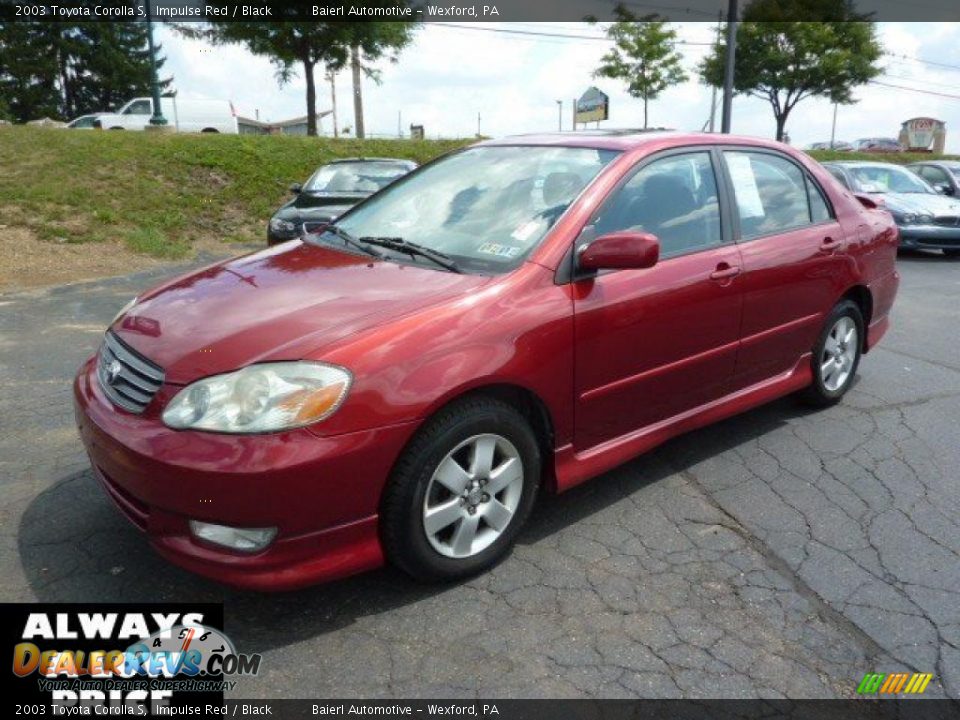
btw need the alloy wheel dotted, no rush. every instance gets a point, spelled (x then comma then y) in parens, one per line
(839, 354)
(473, 495)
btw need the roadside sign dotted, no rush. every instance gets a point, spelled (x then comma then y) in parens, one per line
(592, 106)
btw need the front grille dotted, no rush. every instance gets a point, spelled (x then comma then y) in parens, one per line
(127, 378)
(947, 220)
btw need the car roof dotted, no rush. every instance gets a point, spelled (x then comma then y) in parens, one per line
(402, 161)
(862, 163)
(627, 139)
(945, 163)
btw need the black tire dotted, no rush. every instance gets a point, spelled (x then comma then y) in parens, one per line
(818, 393)
(403, 534)
(952, 252)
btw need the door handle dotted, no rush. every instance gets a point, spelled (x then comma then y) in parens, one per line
(724, 271)
(830, 244)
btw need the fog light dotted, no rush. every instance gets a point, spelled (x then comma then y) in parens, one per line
(242, 539)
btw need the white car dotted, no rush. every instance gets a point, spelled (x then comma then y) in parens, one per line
(205, 116)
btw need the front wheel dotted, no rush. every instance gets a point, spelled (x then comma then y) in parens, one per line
(461, 491)
(836, 355)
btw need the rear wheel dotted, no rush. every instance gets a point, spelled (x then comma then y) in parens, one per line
(836, 355)
(461, 491)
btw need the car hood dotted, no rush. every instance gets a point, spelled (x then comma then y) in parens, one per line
(921, 203)
(283, 303)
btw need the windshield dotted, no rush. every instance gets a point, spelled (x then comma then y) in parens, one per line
(354, 177)
(887, 179)
(485, 207)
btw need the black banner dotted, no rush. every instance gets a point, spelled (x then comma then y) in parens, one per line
(427, 11)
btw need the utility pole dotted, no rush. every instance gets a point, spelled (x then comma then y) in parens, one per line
(357, 90)
(713, 92)
(833, 128)
(478, 123)
(728, 70)
(573, 106)
(399, 123)
(157, 117)
(559, 115)
(332, 77)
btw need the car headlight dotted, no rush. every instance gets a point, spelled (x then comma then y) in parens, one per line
(123, 311)
(925, 219)
(908, 218)
(282, 226)
(260, 398)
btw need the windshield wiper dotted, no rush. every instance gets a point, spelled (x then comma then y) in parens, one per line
(411, 248)
(349, 239)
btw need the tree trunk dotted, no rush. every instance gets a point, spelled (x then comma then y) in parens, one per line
(644, 112)
(781, 124)
(357, 92)
(311, 99)
(332, 76)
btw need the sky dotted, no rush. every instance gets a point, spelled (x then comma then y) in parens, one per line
(450, 74)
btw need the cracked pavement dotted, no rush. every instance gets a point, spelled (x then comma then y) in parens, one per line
(781, 553)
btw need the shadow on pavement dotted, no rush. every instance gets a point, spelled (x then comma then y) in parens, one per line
(75, 546)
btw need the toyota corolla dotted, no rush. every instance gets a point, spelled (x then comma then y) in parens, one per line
(513, 318)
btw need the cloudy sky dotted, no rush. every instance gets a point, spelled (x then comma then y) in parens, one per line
(450, 74)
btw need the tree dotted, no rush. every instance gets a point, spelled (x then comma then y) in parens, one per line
(294, 43)
(28, 70)
(70, 69)
(785, 60)
(642, 56)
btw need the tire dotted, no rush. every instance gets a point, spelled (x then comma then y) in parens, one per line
(952, 252)
(448, 447)
(835, 366)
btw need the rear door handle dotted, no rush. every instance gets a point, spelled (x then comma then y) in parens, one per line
(724, 271)
(830, 244)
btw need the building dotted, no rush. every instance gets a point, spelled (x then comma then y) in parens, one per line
(294, 126)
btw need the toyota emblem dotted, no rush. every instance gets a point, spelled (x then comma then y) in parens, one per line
(113, 372)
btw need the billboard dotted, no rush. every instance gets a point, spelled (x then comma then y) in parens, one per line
(593, 105)
(920, 132)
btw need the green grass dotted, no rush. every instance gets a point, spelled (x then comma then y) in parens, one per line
(161, 193)
(898, 158)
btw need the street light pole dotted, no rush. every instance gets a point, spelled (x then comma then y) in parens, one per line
(559, 115)
(157, 118)
(833, 128)
(728, 70)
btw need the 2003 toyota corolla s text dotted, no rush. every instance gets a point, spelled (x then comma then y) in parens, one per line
(515, 317)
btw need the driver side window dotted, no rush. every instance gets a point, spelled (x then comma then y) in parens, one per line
(674, 198)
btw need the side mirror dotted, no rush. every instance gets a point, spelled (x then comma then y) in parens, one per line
(620, 250)
(296, 188)
(943, 189)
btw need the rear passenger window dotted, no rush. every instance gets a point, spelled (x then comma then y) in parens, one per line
(819, 212)
(674, 198)
(771, 193)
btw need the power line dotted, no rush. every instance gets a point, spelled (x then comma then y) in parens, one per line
(925, 62)
(916, 90)
(535, 33)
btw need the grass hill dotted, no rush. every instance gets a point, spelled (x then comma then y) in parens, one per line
(159, 194)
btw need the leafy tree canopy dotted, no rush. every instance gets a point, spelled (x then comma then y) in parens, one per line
(787, 60)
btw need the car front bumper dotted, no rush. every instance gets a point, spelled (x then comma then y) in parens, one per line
(935, 237)
(321, 493)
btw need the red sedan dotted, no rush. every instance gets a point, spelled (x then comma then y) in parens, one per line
(515, 317)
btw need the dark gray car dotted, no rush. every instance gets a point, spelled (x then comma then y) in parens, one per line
(926, 218)
(944, 175)
(331, 191)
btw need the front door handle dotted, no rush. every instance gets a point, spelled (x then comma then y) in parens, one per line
(724, 271)
(830, 244)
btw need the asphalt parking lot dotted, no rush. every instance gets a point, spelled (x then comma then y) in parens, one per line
(780, 553)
